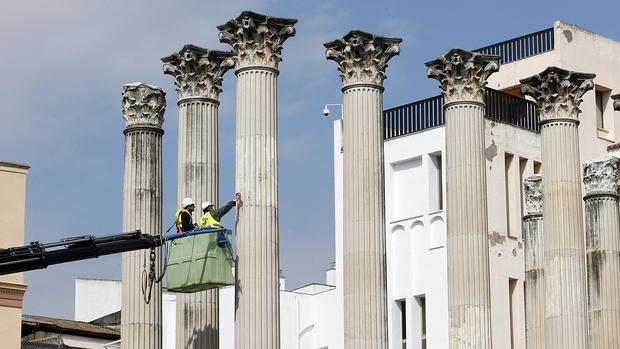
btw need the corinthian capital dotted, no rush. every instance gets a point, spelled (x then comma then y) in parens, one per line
(198, 72)
(600, 176)
(256, 39)
(532, 187)
(462, 75)
(558, 92)
(616, 99)
(143, 105)
(362, 57)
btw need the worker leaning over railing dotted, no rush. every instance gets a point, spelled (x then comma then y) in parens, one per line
(211, 216)
(184, 216)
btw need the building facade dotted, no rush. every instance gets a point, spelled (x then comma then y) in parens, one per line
(12, 219)
(415, 168)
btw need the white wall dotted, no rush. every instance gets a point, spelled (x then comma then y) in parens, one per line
(96, 298)
(339, 235)
(415, 241)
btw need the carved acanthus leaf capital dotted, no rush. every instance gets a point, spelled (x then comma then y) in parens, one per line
(143, 105)
(198, 72)
(362, 57)
(616, 99)
(558, 92)
(600, 176)
(256, 39)
(532, 187)
(462, 75)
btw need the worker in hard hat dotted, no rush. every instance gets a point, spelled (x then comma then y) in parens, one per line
(184, 216)
(211, 216)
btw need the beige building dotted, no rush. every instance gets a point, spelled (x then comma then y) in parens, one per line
(12, 220)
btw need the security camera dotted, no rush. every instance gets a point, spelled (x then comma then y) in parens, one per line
(325, 112)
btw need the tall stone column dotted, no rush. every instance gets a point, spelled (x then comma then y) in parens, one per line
(362, 60)
(463, 76)
(558, 93)
(600, 177)
(198, 74)
(257, 44)
(534, 263)
(143, 108)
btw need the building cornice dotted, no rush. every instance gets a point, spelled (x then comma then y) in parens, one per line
(12, 294)
(14, 165)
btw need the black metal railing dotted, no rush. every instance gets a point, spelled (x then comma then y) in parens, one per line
(511, 110)
(428, 113)
(413, 117)
(521, 47)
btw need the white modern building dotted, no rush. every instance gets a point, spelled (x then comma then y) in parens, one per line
(312, 316)
(307, 314)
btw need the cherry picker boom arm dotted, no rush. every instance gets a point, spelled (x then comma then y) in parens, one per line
(40, 256)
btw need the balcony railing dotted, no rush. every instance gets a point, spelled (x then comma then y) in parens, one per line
(428, 113)
(521, 47)
(413, 117)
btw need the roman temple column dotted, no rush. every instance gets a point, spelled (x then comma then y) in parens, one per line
(462, 78)
(362, 60)
(143, 109)
(534, 263)
(198, 74)
(257, 45)
(558, 93)
(600, 177)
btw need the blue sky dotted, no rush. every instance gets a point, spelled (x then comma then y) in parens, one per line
(64, 62)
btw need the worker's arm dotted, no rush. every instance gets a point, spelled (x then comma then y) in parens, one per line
(220, 212)
(186, 222)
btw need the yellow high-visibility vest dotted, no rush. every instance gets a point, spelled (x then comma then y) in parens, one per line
(208, 221)
(178, 219)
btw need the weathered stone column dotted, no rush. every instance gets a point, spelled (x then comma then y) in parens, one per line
(463, 76)
(198, 76)
(558, 93)
(600, 177)
(143, 108)
(534, 263)
(257, 44)
(362, 60)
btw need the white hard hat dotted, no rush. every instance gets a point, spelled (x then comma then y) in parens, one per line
(187, 201)
(206, 204)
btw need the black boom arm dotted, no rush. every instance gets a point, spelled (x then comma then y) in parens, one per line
(39, 256)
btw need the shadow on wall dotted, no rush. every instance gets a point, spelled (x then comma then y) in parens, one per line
(194, 341)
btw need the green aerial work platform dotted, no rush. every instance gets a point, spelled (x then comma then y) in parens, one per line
(200, 261)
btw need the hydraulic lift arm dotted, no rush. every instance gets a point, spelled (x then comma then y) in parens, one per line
(40, 256)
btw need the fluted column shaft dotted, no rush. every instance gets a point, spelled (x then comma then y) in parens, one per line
(603, 252)
(558, 93)
(258, 297)
(564, 241)
(197, 314)
(257, 42)
(365, 297)
(198, 74)
(534, 264)
(362, 59)
(463, 76)
(141, 326)
(469, 298)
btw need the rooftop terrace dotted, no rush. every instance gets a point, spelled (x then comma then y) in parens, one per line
(501, 107)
